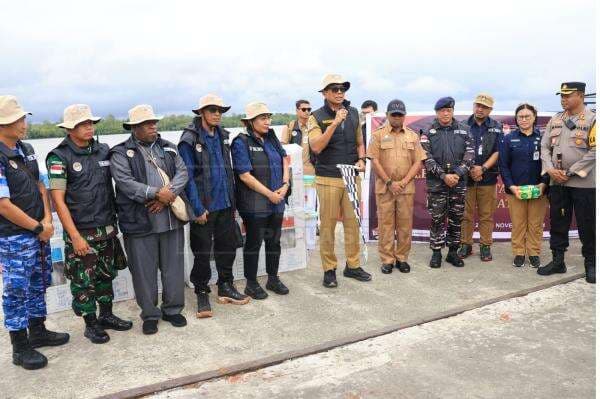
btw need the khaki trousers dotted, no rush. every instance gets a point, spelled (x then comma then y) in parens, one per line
(395, 218)
(527, 218)
(332, 200)
(484, 199)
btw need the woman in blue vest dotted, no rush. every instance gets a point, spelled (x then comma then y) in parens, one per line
(262, 177)
(521, 165)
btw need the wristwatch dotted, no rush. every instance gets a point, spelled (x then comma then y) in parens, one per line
(388, 182)
(484, 169)
(38, 229)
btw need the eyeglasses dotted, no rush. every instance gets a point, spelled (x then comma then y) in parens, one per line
(305, 109)
(337, 89)
(213, 109)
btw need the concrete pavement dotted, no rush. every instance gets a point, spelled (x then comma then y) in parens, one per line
(310, 317)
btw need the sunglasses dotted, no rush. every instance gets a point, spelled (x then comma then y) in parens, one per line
(396, 114)
(213, 109)
(305, 109)
(337, 89)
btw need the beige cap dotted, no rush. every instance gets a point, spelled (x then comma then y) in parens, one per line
(140, 114)
(10, 110)
(75, 114)
(484, 99)
(211, 99)
(255, 109)
(331, 79)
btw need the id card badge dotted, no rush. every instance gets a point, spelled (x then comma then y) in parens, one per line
(536, 156)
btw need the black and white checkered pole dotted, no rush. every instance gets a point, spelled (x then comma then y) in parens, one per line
(349, 173)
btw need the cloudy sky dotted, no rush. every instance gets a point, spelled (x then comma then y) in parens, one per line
(115, 54)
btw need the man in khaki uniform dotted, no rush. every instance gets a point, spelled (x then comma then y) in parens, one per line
(296, 132)
(568, 153)
(396, 155)
(335, 137)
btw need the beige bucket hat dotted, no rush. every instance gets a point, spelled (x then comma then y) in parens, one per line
(255, 109)
(140, 114)
(10, 110)
(331, 79)
(75, 114)
(484, 99)
(211, 99)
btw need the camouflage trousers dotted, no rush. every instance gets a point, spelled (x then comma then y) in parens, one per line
(26, 272)
(446, 207)
(92, 275)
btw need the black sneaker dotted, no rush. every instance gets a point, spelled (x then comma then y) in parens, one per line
(534, 261)
(485, 253)
(357, 274)
(274, 284)
(204, 309)
(454, 259)
(465, 251)
(329, 279)
(176, 320)
(436, 259)
(227, 293)
(150, 327)
(387, 268)
(403, 267)
(519, 261)
(254, 290)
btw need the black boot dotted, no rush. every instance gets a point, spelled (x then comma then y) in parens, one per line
(39, 336)
(108, 320)
(93, 331)
(556, 265)
(436, 259)
(590, 270)
(453, 257)
(274, 284)
(227, 293)
(23, 354)
(204, 310)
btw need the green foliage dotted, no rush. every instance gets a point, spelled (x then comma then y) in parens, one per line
(110, 125)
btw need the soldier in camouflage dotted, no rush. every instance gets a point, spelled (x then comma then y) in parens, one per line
(82, 191)
(449, 148)
(25, 229)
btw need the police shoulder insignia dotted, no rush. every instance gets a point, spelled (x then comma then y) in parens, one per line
(432, 131)
(130, 153)
(199, 147)
(294, 133)
(77, 167)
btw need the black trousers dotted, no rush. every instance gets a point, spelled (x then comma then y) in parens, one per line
(259, 229)
(583, 201)
(218, 229)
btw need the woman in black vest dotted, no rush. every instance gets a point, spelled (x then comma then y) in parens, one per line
(262, 178)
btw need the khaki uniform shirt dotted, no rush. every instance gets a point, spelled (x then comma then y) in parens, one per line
(577, 146)
(396, 152)
(286, 138)
(314, 131)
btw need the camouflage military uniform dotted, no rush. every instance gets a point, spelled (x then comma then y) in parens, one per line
(449, 149)
(91, 275)
(26, 272)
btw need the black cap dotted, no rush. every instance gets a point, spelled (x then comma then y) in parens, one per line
(396, 107)
(571, 87)
(444, 102)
